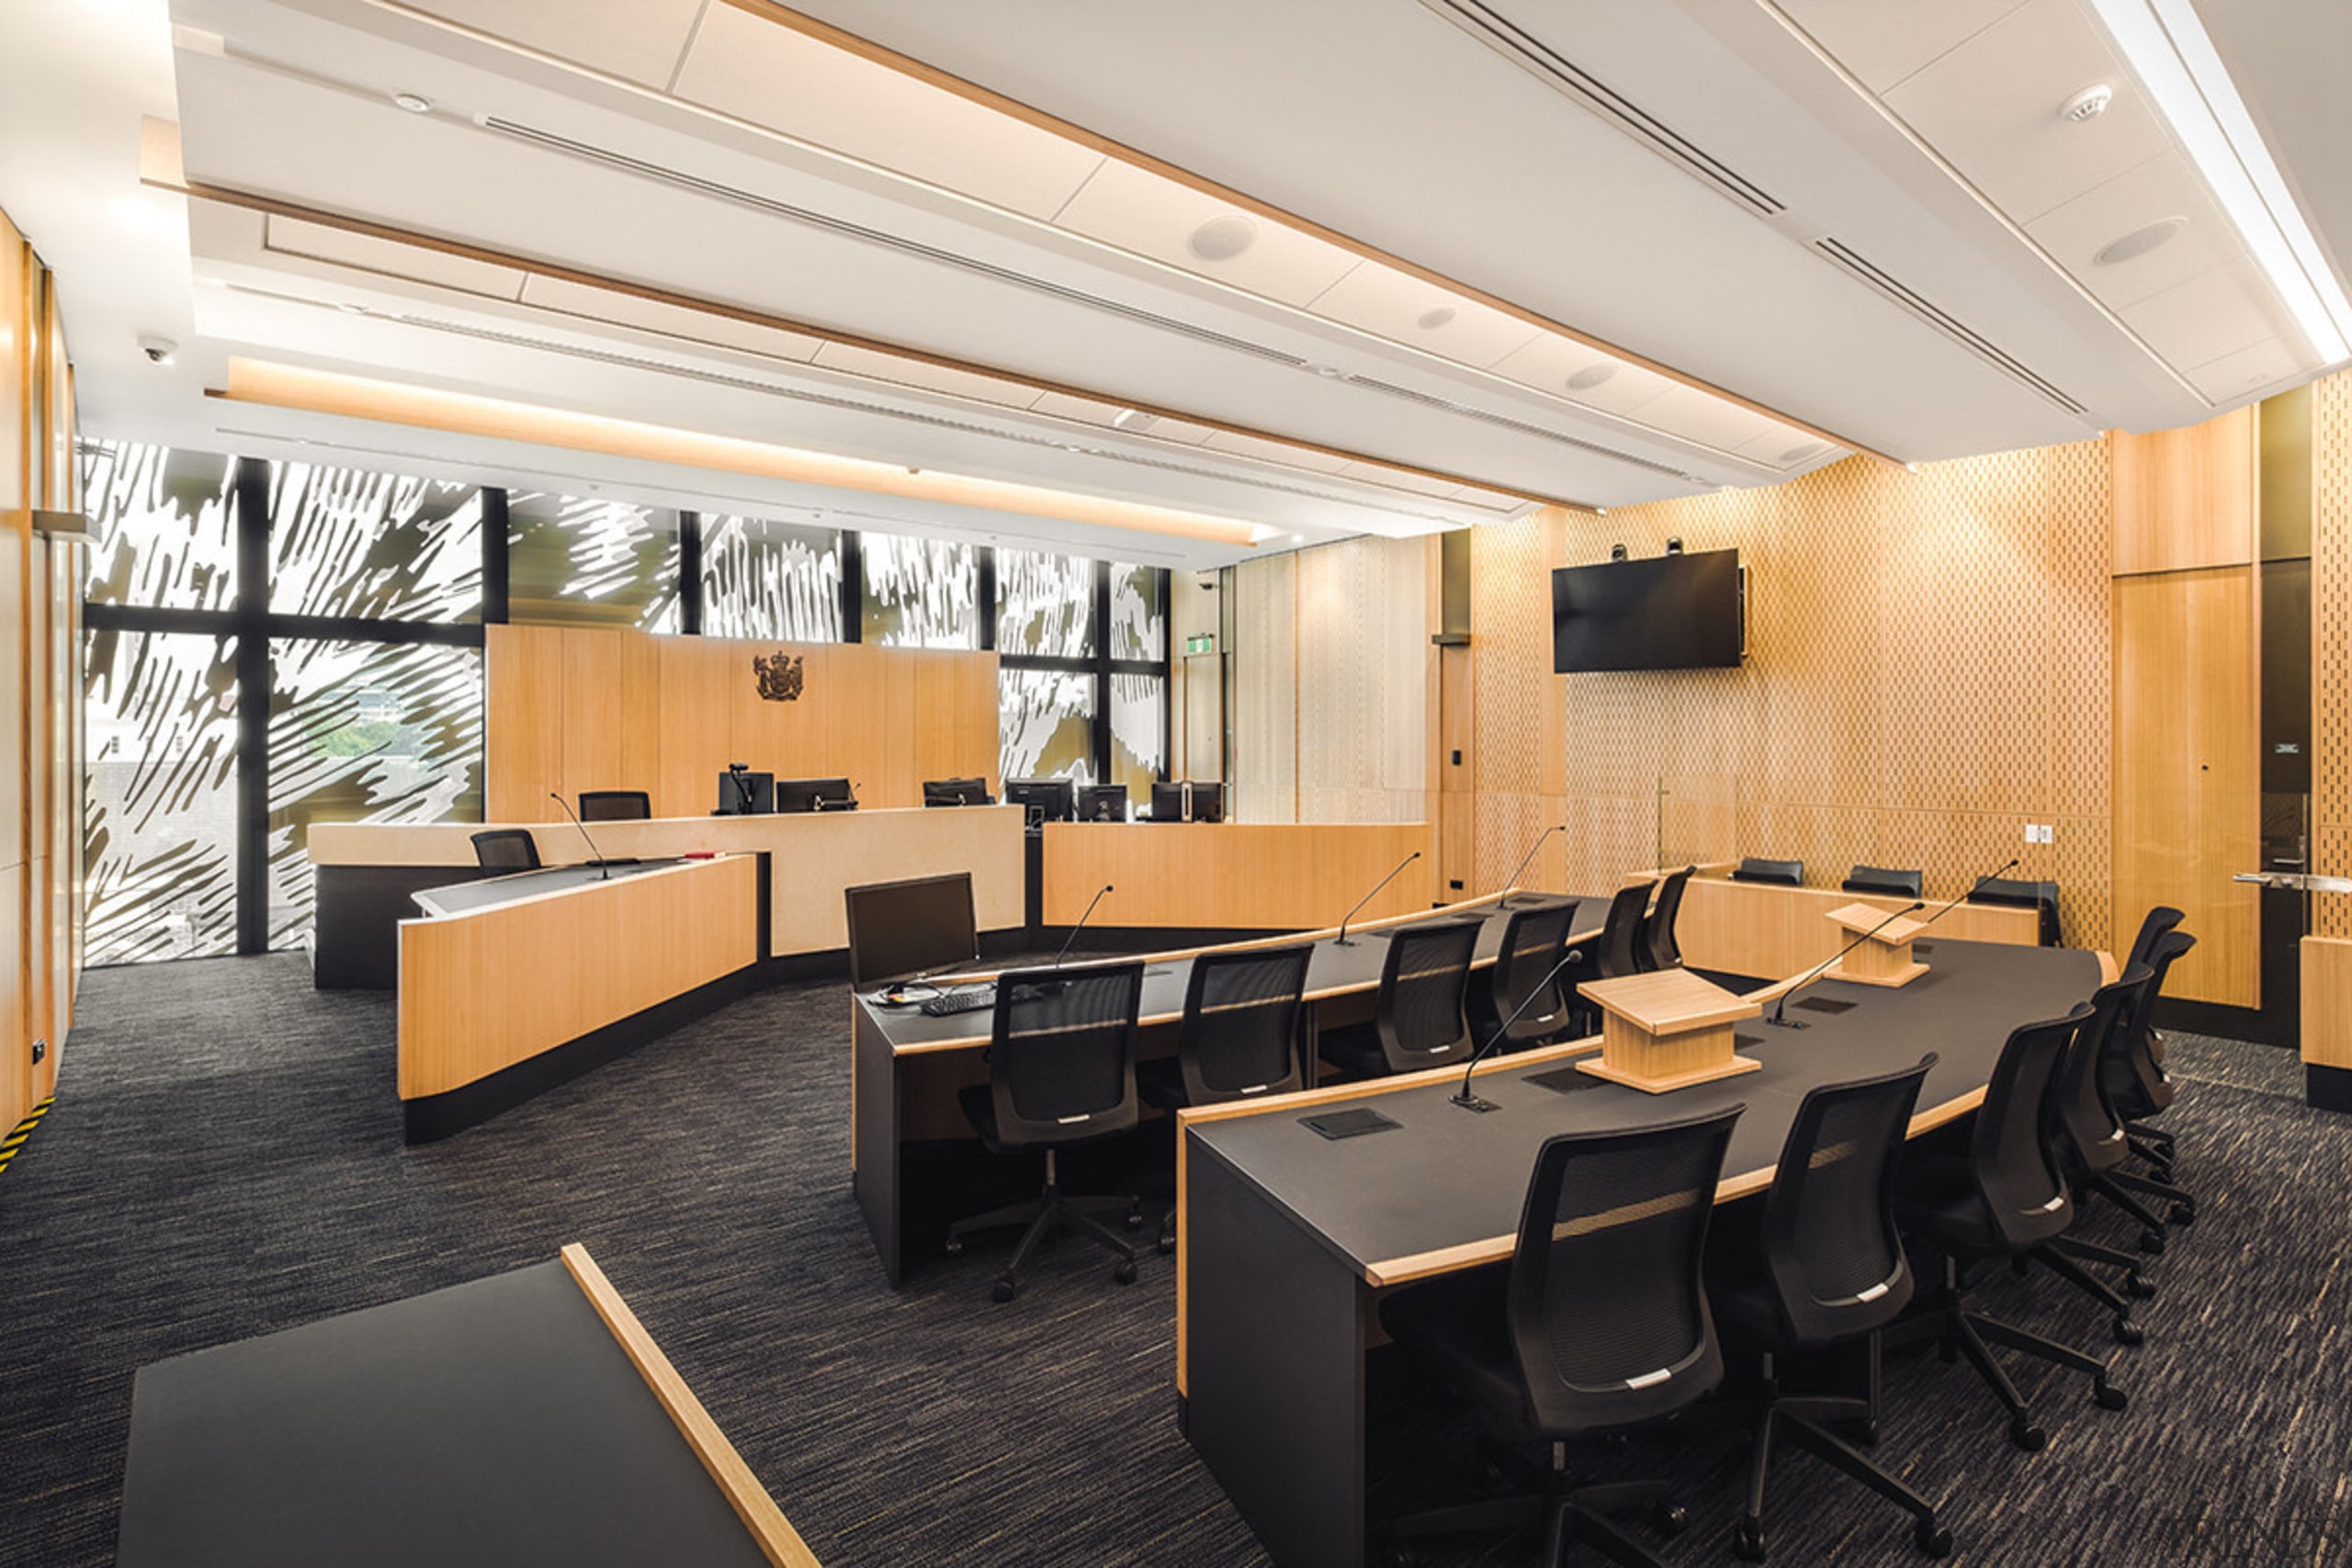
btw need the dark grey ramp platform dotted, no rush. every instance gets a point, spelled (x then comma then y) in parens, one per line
(495, 1424)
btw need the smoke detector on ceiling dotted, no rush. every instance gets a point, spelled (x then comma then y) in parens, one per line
(2088, 104)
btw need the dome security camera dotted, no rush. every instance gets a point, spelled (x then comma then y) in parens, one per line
(159, 350)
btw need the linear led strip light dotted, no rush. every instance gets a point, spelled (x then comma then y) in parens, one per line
(2169, 48)
(466, 413)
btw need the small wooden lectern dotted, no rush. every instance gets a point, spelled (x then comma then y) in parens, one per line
(1883, 960)
(1666, 1031)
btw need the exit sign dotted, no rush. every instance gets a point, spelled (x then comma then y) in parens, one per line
(1203, 642)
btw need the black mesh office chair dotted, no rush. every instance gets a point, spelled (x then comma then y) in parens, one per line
(2087, 1140)
(1601, 1323)
(1829, 1271)
(1878, 879)
(615, 806)
(1239, 1039)
(956, 791)
(1418, 1019)
(1784, 872)
(1659, 949)
(2136, 1085)
(2153, 1145)
(1530, 977)
(506, 848)
(1620, 934)
(2041, 895)
(1061, 1071)
(2005, 1197)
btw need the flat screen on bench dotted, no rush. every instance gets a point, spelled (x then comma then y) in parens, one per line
(918, 926)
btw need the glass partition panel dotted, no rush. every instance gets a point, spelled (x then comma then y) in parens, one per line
(1046, 718)
(161, 808)
(378, 546)
(590, 562)
(920, 592)
(1045, 605)
(766, 579)
(1139, 703)
(162, 521)
(1139, 630)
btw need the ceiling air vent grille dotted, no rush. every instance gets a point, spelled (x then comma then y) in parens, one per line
(1982, 347)
(1374, 384)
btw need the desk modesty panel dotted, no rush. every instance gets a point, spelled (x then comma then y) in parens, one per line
(486, 989)
(1233, 877)
(812, 856)
(525, 1417)
(1287, 1238)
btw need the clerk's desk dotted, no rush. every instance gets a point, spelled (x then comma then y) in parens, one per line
(1287, 1239)
(909, 1065)
(368, 871)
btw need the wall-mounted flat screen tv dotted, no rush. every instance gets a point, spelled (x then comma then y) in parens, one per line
(1684, 612)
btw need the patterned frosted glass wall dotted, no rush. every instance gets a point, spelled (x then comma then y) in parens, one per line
(1046, 719)
(163, 524)
(920, 592)
(770, 580)
(364, 732)
(1138, 750)
(378, 546)
(1138, 628)
(590, 562)
(1045, 605)
(162, 805)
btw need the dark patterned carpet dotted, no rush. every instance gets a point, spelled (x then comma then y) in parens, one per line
(225, 1160)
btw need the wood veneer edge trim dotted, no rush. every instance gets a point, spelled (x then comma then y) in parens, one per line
(779, 1542)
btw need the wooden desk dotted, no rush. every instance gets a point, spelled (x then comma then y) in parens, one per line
(1232, 877)
(1286, 1240)
(1764, 929)
(2328, 1022)
(526, 1417)
(367, 871)
(909, 1067)
(502, 1000)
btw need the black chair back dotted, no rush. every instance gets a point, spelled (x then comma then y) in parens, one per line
(1830, 1246)
(2083, 1119)
(1528, 973)
(506, 848)
(2041, 895)
(1419, 1015)
(1240, 1032)
(1621, 934)
(2158, 920)
(615, 806)
(1878, 879)
(1607, 1310)
(956, 791)
(2019, 1184)
(2128, 1066)
(1786, 872)
(1062, 1053)
(1659, 949)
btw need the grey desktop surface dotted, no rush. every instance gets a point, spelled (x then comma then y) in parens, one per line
(1332, 967)
(494, 1423)
(1446, 1176)
(460, 896)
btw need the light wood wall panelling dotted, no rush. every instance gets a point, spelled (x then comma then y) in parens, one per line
(616, 947)
(1230, 876)
(1771, 932)
(523, 683)
(2185, 499)
(2327, 1001)
(2186, 772)
(2332, 648)
(1265, 689)
(696, 681)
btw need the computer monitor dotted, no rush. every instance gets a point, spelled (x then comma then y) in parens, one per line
(1102, 803)
(814, 795)
(917, 927)
(955, 791)
(1208, 801)
(745, 793)
(1048, 800)
(1168, 803)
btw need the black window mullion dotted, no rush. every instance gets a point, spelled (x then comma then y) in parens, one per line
(496, 595)
(252, 625)
(1160, 593)
(988, 597)
(1099, 650)
(690, 573)
(853, 587)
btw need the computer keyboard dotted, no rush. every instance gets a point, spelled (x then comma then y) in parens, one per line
(959, 999)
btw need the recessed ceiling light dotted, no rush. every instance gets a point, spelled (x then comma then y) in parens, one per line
(1436, 317)
(1223, 238)
(416, 103)
(1328, 372)
(2088, 104)
(2139, 242)
(1298, 538)
(1805, 452)
(1591, 376)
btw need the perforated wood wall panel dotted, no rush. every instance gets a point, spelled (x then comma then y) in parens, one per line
(1265, 690)
(2332, 647)
(1366, 681)
(1928, 672)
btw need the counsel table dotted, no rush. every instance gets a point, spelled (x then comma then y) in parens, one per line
(1287, 1238)
(909, 1065)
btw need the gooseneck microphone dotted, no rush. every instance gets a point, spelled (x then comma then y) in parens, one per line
(1469, 1101)
(1368, 898)
(1078, 927)
(1972, 887)
(1780, 1008)
(1512, 880)
(595, 855)
(735, 774)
